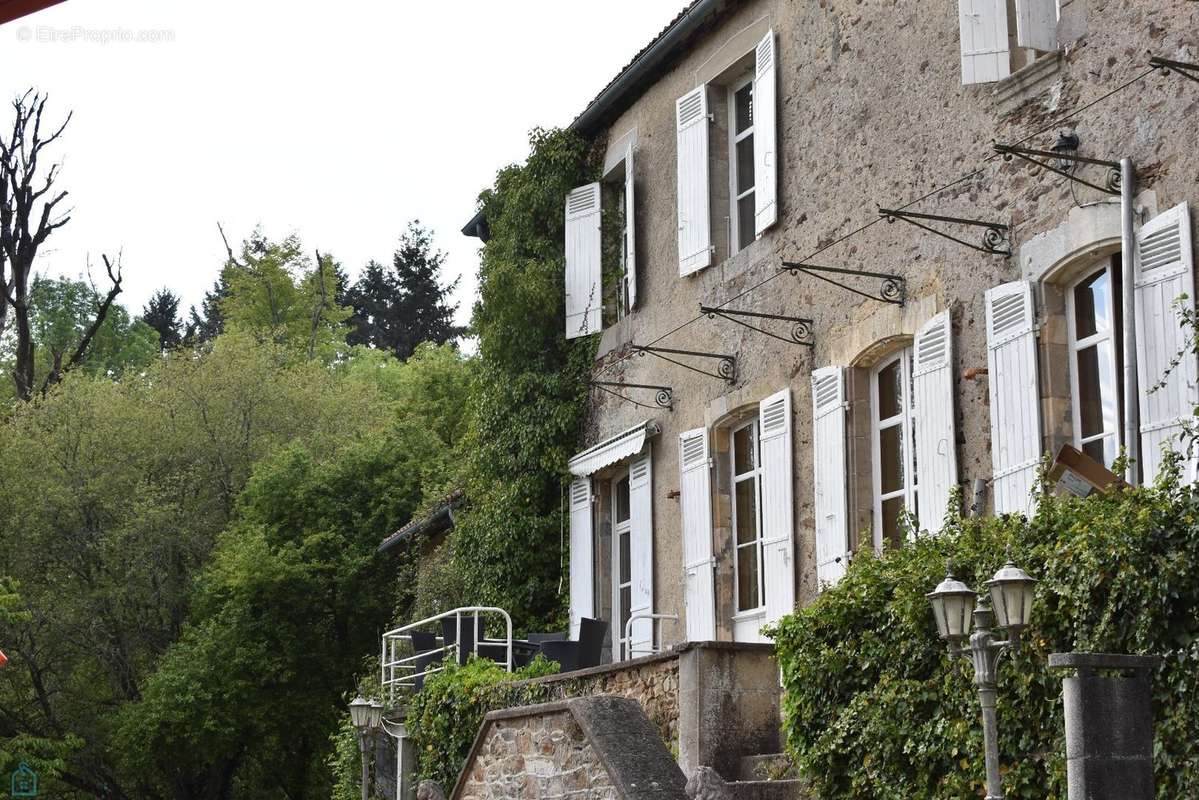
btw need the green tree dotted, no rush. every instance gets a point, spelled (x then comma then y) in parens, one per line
(208, 322)
(397, 309)
(162, 314)
(277, 293)
(115, 493)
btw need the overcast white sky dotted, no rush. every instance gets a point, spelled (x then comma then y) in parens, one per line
(339, 121)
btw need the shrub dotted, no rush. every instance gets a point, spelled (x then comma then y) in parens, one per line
(445, 715)
(875, 707)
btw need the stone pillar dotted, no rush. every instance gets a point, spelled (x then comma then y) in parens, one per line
(1109, 725)
(728, 705)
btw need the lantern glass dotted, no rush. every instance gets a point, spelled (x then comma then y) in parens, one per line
(1012, 593)
(360, 713)
(953, 608)
(375, 720)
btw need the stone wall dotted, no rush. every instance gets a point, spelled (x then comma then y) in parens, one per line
(536, 757)
(653, 681)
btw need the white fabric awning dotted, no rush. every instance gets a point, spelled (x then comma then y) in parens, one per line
(608, 452)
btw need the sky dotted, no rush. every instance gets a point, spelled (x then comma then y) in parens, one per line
(338, 121)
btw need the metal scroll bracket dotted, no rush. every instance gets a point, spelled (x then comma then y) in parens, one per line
(801, 328)
(726, 365)
(893, 289)
(1183, 68)
(1038, 157)
(995, 234)
(663, 395)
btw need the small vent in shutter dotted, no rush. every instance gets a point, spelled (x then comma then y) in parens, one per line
(693, 451)
(1007, 314)
(765, 55)
(579, 493)
(1161, 248)
(826, 391)
(690, 107)
(774, 417)
(932, 347)
(581, 199)
(639, 471)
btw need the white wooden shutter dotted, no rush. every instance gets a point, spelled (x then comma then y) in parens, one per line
(695, 235)
(641, 555)
(1036, 24)
(765, 136)
(584, 301)
(983, 25)
(1164, 272)
(828, 449)
(778, 508)
(582, 569)
(932, 390)
(1015, 395)
(695, 487)
(630, 234)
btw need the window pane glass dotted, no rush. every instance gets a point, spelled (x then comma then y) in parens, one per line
(743, 105)
(743, 450)
(890, 521)
(626, 599)
(747, 578)
(890, 458)
(625, 559)
(1092, 306)
(890, 390)
(1097, 396)
(745, 164)
(745, 220)
(622, 499)
(747, 510)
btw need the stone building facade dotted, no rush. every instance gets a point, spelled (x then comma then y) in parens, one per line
(722, 512)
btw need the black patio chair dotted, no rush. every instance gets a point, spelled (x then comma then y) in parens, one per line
(424, 643)
(591, 641)
(449, 632)
(555, 636)
(564, 651)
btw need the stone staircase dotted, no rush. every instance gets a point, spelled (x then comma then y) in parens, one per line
(767, 777)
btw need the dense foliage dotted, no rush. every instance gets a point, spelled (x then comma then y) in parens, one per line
(875, 708)
(529, 394)
(444, 717)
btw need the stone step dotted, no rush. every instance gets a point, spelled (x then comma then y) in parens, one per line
(788, 789)
(767, 767)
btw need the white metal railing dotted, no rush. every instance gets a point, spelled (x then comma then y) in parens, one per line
(400, 670)
(628, 633)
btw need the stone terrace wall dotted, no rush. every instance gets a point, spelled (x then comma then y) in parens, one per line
(538, 757)
(653, 681)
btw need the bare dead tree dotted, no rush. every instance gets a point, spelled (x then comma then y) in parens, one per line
(29, 213)
(102, 306)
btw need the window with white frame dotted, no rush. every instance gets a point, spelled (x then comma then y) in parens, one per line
(893, 437)
(749, 88)
(622, 572)
(1094, 322)
(747, 517)
(741, 163)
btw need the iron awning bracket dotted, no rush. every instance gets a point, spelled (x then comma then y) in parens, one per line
(801, 327)
(893, 290)
(1183, 68)
(994, 233)
(726, 365)
(1035, 157)
(663, 397)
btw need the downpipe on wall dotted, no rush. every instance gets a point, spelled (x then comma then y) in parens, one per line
(1132, 438)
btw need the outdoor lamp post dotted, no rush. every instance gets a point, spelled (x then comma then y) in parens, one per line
(954, 608)
(366, 716)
